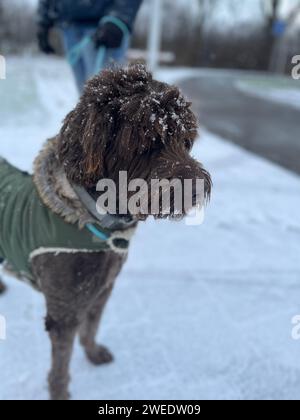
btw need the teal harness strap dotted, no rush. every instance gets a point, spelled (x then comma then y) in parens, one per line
(76, 52)
(118, 22)
(100, 235)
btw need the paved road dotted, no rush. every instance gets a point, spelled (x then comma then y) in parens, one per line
(264, 127)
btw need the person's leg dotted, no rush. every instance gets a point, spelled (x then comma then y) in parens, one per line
(89, 55)
(87, 65)
(85, 68)
(72, 35)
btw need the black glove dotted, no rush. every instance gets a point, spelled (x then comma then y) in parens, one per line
(43, 40)
(108, 35)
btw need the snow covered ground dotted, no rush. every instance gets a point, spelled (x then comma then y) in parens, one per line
(199, 312)
(286, 94)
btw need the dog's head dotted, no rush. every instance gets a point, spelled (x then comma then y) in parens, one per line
(126, 121)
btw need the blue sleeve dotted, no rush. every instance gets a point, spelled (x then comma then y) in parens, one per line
(126, 10)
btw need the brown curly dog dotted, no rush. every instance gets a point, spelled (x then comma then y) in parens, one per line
(52, 232)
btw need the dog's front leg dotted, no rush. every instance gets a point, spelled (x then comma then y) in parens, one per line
(62, 339)
(60, 280)
(76, 287)
(97, 354)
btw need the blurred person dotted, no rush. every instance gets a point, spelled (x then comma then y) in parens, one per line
(96, 33)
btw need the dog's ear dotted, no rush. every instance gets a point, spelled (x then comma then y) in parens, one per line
(95, 134)
(83, 139)
(96, 120)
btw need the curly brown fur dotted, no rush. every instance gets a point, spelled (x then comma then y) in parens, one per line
(76, 288)
(125, 121)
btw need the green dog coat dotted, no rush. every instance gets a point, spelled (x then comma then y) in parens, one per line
(36, 218)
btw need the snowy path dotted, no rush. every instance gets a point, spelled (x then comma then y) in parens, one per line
(199, 312)
(231, 108)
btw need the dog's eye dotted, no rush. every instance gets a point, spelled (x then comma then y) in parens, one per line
(188, 144)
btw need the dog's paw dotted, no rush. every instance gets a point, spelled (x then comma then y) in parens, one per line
(65, 396)
(58, 388)
(99, 355)
(2, 287)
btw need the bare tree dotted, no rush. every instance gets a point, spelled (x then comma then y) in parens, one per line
(294, 14)
(206, 10)
(271, 10)
(1, 18)
(17, 26)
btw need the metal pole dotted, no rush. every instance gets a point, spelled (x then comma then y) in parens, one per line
(154, 41)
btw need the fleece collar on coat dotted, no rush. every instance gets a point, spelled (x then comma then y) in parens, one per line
(54, 188)
(58, 194)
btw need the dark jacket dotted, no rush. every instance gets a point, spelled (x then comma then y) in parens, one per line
(51, 12)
